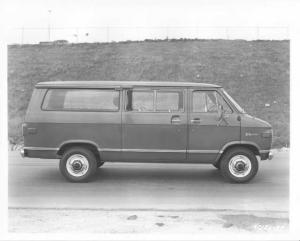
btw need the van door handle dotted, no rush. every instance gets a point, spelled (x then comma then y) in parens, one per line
(196, 121)
(175, 119)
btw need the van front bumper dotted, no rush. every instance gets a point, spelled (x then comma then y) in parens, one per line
(266, 155)
(271, 155)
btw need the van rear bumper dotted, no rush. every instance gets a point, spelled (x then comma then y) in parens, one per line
(47, 153)
(22, 152)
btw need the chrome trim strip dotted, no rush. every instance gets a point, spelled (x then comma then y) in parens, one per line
(153, 150)
(161, 150)
(205, 151)
(135, 150)
(141, 150)
(264, 151)
(109, 149)
(32, 148)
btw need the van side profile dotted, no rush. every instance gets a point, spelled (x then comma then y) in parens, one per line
(88, 123)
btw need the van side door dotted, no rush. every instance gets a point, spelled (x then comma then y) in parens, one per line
(154, 124)
(208, 130)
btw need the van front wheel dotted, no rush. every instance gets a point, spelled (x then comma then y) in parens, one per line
(239, 165)
(78, 164)
(99, 163)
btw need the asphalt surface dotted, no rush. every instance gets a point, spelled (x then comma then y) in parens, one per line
(37, 183)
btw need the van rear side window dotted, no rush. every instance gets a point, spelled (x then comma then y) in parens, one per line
(81, 100)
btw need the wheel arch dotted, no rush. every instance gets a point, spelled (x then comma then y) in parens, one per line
(90, 145)
(249, 145)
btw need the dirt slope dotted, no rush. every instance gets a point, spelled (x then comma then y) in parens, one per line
(255, 73)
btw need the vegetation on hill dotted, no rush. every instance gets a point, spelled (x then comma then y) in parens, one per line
(255, 73)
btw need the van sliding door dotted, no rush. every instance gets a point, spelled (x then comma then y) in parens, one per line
(154, 125)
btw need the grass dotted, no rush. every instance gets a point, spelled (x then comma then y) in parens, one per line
(255, 73)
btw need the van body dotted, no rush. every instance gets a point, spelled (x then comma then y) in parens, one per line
(88, 123)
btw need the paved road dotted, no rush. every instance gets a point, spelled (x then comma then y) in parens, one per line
(37, 183)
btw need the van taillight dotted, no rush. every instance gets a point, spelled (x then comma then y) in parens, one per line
(24, 129)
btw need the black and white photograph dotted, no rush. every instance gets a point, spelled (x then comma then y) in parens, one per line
(149, 119)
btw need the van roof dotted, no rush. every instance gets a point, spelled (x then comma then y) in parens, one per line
(109, 84)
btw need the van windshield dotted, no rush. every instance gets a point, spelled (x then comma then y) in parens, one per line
(237, 106)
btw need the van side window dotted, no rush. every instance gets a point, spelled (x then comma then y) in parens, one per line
(169, 101)
(81, 100)
(208, 101)
(154, 100)
(140, 100)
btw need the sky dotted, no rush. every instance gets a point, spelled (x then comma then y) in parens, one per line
(117, 20)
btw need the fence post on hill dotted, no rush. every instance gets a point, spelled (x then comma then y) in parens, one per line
(49, 27)
(167, 33)
(22, 35)
(107, 34)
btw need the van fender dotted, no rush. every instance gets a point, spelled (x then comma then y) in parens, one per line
(236, 143)
(77, 141)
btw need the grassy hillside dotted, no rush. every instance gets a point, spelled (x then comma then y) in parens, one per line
(255, 73)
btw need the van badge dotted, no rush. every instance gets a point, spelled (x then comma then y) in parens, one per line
(251, 134)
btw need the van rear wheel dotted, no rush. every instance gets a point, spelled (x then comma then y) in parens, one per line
(239, 165)
(78, 164)
(217, 165)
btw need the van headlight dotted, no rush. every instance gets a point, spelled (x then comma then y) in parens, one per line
(267, 133)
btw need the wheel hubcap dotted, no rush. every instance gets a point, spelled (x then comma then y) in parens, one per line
(240, 166)
(77, 165)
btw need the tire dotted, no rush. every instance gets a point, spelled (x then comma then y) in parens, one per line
(78, 164)
(99, 163)
(239, 165)
(217, 165)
